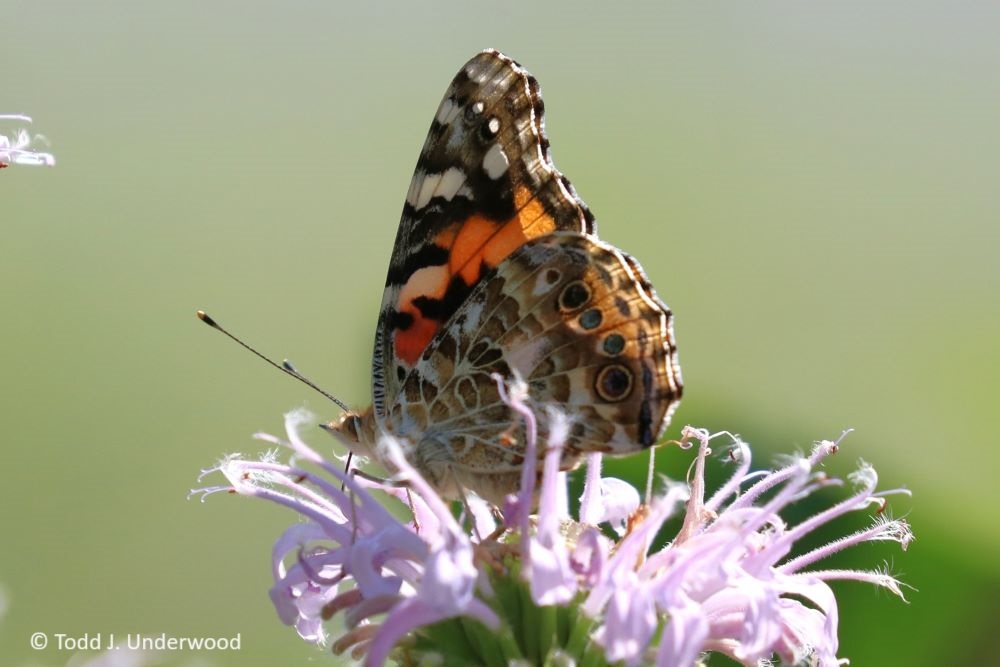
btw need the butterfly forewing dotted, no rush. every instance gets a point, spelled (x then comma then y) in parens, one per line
(483, 186)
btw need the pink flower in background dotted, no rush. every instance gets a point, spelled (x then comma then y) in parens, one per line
(16, 146)
(546, 587)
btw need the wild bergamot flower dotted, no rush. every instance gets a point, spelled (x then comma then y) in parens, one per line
(16, 148)
(410, 582)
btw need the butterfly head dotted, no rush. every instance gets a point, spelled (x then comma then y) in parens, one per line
(354, 430)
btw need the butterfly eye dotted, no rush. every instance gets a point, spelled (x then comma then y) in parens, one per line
(574, 296)
(614, 383)
(350, 427)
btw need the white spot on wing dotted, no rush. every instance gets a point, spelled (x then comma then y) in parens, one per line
(430, 373)
(536, 254)
(524, 357)
(447, 111)
(473, 315)
(451, 181)
(428, 281)
(476, 74)
(495, 162)
(456, 137)
(411, 194)
(542, 286)
(427, 186)
(424, 187)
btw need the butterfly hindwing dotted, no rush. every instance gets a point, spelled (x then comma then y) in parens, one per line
(484, 185)
(568, 314)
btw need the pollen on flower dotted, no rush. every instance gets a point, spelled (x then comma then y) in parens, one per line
(411, 578)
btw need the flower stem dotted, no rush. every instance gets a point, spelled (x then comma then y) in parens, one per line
(546, 630)
(579, 636)
(489, 646)
(530, 622)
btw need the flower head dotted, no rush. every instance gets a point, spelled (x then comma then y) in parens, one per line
(353, 555)
(16, 148)
(725, 582)
(547, 587)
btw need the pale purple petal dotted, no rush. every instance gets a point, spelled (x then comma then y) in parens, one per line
(309, 624)
(629, 622)
(449, 578)
(620, 501)
(606, 498)
(629, 552)
(516, 396)
(482, 515)
(409, 614)
(589, 556)
(413, 613)
(426, 522)
(591, 510)
(364, 563)
(552, 579)
(684, 635)
(557, 495)
(290, 541)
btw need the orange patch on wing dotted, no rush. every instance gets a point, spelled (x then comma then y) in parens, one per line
(410, 344)
(445, 238)
(474, 234)
(532, 214)
(431, 282)
(473, 242)
(483, 241)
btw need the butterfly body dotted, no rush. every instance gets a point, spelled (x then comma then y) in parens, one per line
(497, 270)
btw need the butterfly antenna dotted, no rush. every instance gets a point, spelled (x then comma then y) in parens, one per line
(285, 366)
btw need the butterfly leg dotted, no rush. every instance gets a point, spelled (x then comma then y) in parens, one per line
(396, 484)
(467, 515)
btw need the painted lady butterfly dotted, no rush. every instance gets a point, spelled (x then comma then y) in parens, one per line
(497, 269)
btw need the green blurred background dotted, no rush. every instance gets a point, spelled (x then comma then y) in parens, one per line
(812, 188)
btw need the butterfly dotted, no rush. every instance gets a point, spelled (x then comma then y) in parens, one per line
(497, 269)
